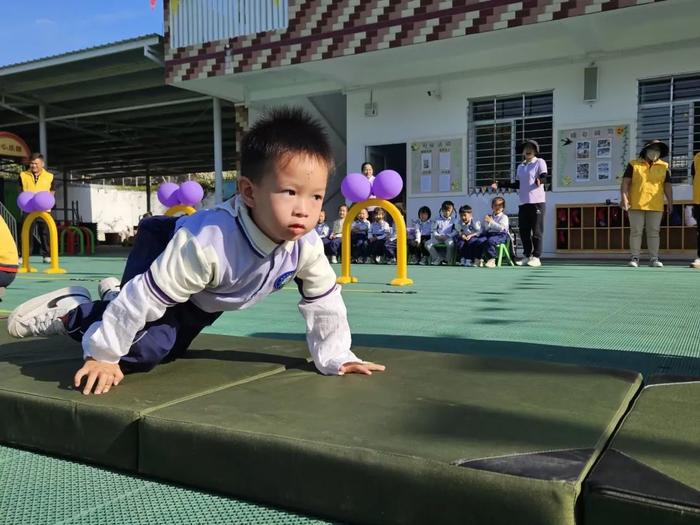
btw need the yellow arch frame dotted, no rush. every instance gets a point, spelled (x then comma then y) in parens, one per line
(401, 278)
(180, 208)
(53, 243)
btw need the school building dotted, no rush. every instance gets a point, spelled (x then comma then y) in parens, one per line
(444, 91)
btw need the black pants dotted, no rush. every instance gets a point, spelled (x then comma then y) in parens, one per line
(696, 213)
(531, 226)
(6, 278)
(38, 231)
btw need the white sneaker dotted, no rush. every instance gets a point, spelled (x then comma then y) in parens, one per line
(468, 263)
(634, 262)
(41, 316)
(491, 263)
(19, 262)
(655, 263)
(478, 263)
(46, 260)
(461, 261)
(523, 261)
(695, 263)
(534, 262)
(334, 259)
(377, 259)
(437, 262)
(109, 288)
(423, 261)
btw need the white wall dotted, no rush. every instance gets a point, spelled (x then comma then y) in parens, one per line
(114, 210)
(406, 113)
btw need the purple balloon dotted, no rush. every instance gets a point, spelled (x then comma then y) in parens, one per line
(24, 201)
(43, 201)
(356, 187)
(167, 194)
(387, 184)
(191, 193)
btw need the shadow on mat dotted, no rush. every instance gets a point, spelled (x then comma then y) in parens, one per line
(644, 362)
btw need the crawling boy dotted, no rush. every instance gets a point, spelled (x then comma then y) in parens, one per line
(184, 272)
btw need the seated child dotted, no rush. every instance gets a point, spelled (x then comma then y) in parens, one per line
(424, 229)
(467, 230)
(322, 229)
(443, 233)
(377, 236)
(183, 272)
(335, 238)
(9, 258)
(390, 247)
(358, 237)
(494, 231)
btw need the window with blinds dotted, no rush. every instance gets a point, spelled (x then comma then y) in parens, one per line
(498, 125)
(669, 110)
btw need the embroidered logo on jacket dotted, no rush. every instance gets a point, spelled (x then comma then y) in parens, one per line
(283, 279)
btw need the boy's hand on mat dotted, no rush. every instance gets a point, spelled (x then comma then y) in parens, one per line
(100, 375)
(364, 367)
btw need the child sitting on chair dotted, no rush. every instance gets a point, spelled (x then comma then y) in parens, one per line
(467, 230)
(358, 236)
(443, 234)
(494, 231)
(424, 229)
(335, 238)
(183, 272)
(322, 229)
(377, 236)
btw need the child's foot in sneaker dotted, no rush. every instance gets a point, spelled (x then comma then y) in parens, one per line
(655, 263)
(108, 288)
(523, 261)
(41, 316)
(491, 263)
(534, 262)
(695, 263)
(634, 262)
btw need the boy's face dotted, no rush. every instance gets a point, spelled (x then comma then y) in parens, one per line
(362, 215)
(423, 216)
(466, 216)
(322, 217)
(378, 216)
(342, 212)
(447, 211)
(284, 203)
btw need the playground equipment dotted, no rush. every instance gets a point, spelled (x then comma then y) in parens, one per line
(36, 204)
(387, 185)
(180, 199)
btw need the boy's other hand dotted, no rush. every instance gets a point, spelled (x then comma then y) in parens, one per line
(365, 368)
(100, 375)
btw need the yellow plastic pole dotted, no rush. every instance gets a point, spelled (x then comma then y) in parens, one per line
(401, 278)
(180, 208)
(53, 243)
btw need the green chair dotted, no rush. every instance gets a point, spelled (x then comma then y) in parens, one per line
(505, 249)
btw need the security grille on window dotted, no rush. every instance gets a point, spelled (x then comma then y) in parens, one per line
(498, 125)
(669, 110)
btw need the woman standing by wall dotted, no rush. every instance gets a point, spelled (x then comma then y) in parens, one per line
(644, 184)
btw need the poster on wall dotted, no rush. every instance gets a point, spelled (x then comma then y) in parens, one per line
(591, 158)
(436, 166)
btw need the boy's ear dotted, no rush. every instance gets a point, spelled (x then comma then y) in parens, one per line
(246, 189)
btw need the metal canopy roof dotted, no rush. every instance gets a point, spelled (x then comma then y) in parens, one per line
(109, 113)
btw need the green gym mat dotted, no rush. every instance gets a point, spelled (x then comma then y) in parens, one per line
(650, 474)
(39, 408)
(438, 438)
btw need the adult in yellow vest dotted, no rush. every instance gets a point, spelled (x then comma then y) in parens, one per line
(8, 257)
(38, 179)
(644, 184)
(695, 172)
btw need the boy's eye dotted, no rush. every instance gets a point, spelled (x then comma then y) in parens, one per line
(290, 192)
(318, 197)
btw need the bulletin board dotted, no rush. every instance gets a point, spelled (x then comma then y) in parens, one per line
(591, 158)
(436, 166)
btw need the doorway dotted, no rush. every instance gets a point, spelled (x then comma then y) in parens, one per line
(390, 157)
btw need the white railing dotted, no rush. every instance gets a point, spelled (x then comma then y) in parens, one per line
(10, 220)
(199, 21)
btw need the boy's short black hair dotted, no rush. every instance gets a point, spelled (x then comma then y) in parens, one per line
(281, 132)
(424, 209)
(445, 204)
(465, 209)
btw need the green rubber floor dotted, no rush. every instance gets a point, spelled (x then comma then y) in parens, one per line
(41, 490)
(590, 314)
